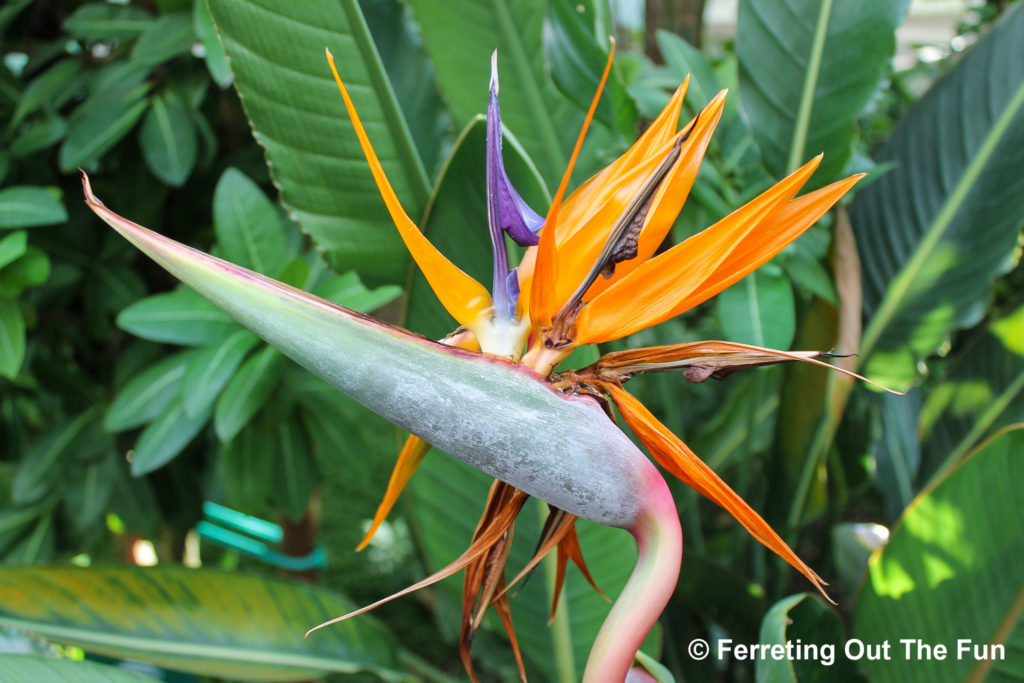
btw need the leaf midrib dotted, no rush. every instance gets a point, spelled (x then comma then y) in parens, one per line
(897, 291)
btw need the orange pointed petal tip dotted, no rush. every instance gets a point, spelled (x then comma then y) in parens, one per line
(543, 303)
(656, 290)
(676, 457)
(413, 452)
(463, 297)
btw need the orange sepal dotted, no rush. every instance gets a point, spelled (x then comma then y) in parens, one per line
(543, 303)
(466, 299)
(788, 224)
(413, 452)
(676, 457)
(653, 291)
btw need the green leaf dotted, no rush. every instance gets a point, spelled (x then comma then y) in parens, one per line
(13, 247)
(245, 469)
(167, 37)
(577, 62)
(210, 369)
(806, 622)
(29, 270)
(684, 59)
(530, 108)
(983, 392)
(101, 20)
(206, 32)
(26, 206)
(42, 135)
(898, 452)
(99, 124)
(178, 317)
(759, 310)
(148, 393)
(807, 68)
(89, 490)
(950, 571)
(12, 338)
(456, 220)
(18, 667)
(248, 226)
(276, 53)
(247, 391)
(295, 469)
(37, 472)
(936, 230)
(10, 11)
(217, 624)
(165, 438)
(42, 91)
(168, 140)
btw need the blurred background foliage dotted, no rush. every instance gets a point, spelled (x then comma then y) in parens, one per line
(130, 408)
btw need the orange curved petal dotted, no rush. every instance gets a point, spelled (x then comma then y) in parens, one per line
(466, 299)
(676, 457)
(413, 452)
(542, 289)
(654, 290)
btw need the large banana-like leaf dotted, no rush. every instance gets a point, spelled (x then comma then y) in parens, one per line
(24, 667)
(207, 622)
(983, 392)
(951, 574)
(807, 68)
(497, 416)
(934, 231)
(276, 51)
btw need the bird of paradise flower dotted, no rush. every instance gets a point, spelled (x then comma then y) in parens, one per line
(589, 275)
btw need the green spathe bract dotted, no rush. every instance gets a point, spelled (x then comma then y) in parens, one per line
(492, 414)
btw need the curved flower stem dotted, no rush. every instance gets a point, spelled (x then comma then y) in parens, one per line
(660, 541)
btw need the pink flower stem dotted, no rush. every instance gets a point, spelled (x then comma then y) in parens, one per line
(660, 542)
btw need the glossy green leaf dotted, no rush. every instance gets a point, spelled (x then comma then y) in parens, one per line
(807, 68)
(759, 310)
(248, 226)
(39, 469)
(102, 20)
(276, 52)
(936, 230)
(225, 625)
(898, 451)
(148, 393)
(165, 437)
(245, 466)
(178, 317)
(951, 573)
(88, 491)
(247, 391)
(206, 32)
(23, 667)
(577, 59)
(30, 269)
(684, 59)
(12, 338)
(13, 247)
(42, 135)
(530, 108)
(806, 622)
(26, 206)
(46, 87)
(168, 140)
(211, 368)
(982, 392)
(167, 37)
(348, 291)
(99, 124)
